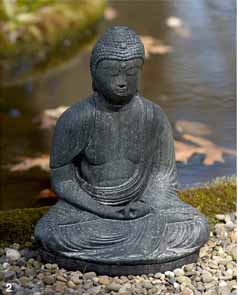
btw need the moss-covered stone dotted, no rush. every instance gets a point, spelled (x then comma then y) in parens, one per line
(18, 225)
(218, 197)
(31, 34)
(10, 9)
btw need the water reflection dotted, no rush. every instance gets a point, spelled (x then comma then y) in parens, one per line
(195, 82)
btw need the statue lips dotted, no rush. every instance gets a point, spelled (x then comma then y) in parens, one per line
(121, 91)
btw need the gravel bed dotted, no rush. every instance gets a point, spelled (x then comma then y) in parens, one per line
(23, 273)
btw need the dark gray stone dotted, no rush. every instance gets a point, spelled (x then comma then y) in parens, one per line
(8, 275)
(118, 269)
(113, 168)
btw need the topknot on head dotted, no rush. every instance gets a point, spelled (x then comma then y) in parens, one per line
(118, 43)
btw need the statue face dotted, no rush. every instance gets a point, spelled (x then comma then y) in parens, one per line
(116, 80)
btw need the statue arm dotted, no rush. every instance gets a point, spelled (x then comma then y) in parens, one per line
(71, 136)
(164, 163)
(162, 188)
(71, 133)
(65, 184)
(162, 185)
(160, 191)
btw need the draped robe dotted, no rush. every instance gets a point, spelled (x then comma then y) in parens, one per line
(172, 229)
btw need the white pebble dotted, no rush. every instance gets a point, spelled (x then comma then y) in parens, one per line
(13, 254)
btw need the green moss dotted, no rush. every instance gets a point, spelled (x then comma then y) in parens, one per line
(17, 226)
(36, 32)
(32, 35)
(218, 197)
(10, 9)
(30, 6)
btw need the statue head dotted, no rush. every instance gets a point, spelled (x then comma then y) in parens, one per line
(116, 63)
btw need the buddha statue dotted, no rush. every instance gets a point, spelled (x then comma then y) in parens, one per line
(113, 169)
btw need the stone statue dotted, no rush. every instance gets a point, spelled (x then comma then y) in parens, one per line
(113, 168)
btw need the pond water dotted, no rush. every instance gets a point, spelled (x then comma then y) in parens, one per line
(194, 82)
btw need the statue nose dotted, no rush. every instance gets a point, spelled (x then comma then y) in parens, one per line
(122, 85)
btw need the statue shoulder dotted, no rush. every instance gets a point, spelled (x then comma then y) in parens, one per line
(75, 115)
(150, 104)
(158, 116)
(72, 132)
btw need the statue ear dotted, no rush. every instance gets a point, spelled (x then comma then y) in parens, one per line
(94, 86)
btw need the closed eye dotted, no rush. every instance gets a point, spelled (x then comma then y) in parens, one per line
(132, 71)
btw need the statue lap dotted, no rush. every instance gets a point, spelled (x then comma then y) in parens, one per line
(71, 234)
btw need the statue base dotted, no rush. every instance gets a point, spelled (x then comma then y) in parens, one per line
(117, 269)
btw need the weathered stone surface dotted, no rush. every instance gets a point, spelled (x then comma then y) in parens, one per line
(8, 275)
(13, 254)
(90, 275)
(178, 272)
(113, 287)
(113, 168)
(187, 291)
(183, 280)
(104, 280)
(28, 278)
(49, 280)
(206, 276)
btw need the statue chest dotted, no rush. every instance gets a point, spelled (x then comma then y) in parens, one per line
(116, 136)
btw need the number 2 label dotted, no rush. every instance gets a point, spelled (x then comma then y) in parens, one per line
(9, 287)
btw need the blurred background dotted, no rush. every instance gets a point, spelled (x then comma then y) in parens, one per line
(44, 67)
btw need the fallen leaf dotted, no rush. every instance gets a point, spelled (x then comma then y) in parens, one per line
(195, 128)
(213, 153)
(110, 13)
(154, 46)
(46, 197)
(184, 151)
(55, 113)
(50, 116)
(26, 163)
(47, 193)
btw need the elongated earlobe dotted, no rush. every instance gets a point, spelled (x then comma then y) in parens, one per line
(94, 86)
